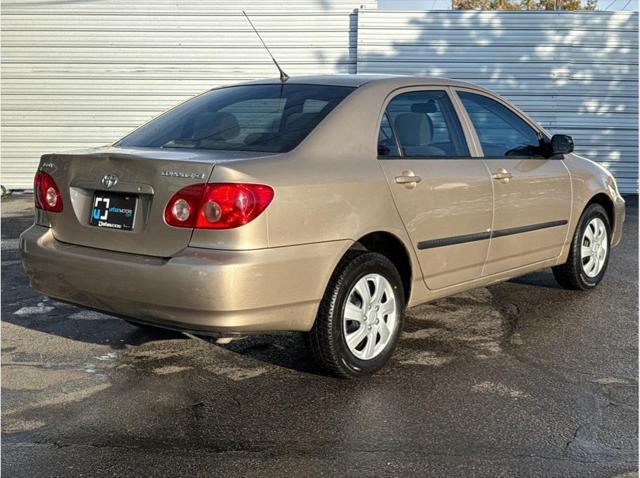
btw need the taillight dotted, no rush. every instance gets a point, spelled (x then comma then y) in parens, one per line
(217, 206)
(46, 193)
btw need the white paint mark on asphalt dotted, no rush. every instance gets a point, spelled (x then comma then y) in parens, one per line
(91, 315)
(498, 389)
(10, 244)
(34, 310)
(169, 369)
(427, 358)
(107, 357)
(611, 381)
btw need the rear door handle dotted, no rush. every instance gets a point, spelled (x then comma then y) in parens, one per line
(502, 175)
(408, 178)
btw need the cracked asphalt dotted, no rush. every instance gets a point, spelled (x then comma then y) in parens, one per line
(518, 379)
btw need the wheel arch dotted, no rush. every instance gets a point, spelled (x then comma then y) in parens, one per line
(605, 201)
(392, 247)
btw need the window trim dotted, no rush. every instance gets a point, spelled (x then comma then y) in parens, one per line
(395, 138)
(472, 130)
(410, 89)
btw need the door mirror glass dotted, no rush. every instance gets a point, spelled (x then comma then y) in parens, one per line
(561, 144)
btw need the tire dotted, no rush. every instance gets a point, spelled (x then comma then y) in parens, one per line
(328, 337)
(575, 273)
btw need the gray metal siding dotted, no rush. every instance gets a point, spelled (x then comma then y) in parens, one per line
(78, 74)
(574, 72)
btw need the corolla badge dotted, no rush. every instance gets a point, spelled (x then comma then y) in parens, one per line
(109, 180)
(181, 174)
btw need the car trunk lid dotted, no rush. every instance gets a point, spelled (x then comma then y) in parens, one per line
(148, 177)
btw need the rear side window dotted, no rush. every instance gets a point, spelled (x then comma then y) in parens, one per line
(269, 118)
(502, 133)
(426, 125)
(387, 146)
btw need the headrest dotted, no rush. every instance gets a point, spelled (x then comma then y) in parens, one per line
(221, 126)
(426, 107)
(413, 129)
(298, 121)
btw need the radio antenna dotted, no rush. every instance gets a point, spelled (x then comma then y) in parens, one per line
(283, 76)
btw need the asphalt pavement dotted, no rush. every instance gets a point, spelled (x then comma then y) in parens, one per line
(521, 378)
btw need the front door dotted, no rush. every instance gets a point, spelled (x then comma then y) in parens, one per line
(532, 194)
(443, 195)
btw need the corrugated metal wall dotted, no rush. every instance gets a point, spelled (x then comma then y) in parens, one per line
(86, 72)
(574, 72)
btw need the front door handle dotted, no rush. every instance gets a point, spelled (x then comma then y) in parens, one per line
(408, 179)
(502, 174)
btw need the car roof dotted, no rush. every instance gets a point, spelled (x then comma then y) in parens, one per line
(355, 80)
(390, 82)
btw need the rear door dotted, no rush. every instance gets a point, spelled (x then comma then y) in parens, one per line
(442, 193)
(532, 194)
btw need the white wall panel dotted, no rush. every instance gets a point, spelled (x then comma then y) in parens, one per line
(76, 74)
(84, 73)
(574, 72)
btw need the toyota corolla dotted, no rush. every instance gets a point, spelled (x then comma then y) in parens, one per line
(325, 205)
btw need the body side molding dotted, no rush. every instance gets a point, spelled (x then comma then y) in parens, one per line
(481, 236)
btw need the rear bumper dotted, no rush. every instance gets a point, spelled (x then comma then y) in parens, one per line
(202, 290)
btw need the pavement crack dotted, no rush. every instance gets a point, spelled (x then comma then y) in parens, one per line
(573, 439)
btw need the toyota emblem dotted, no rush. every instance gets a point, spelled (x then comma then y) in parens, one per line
(109, 180)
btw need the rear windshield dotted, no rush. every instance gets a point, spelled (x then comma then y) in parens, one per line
(270, 118)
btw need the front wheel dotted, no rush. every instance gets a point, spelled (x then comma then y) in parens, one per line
(360, 317)
(589, 253)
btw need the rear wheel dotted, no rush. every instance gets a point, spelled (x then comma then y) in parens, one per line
(589, 254)
(360, 316)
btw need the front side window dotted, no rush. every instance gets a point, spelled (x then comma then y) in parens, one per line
(269, 118)
(502, 133)
(426, 125)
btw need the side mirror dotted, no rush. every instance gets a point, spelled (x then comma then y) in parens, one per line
(561, 144)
